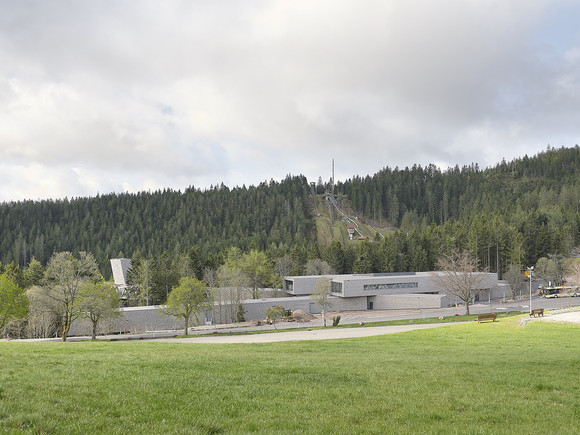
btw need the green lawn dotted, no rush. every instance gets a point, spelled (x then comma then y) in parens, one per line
(464, 378)
(323, 234)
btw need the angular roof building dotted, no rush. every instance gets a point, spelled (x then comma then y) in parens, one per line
(120, 267)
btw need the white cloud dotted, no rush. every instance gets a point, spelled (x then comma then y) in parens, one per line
(152, 95)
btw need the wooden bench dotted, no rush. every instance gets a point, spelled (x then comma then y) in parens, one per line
(488, 316)
(537, 312)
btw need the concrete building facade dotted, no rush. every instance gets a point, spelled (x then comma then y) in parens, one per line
(120, 267)
(387, 291)
(383, 291)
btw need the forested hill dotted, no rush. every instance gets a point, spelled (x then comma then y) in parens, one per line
(150, 223)
(513, 213)
(428, 194)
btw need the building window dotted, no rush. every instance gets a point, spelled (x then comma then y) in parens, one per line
(336, 287)
(288, 285)
(391, 285)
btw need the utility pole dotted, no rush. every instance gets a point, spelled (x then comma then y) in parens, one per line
(531, 273)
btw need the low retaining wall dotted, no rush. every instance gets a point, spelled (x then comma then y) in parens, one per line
(151, 318)
(408, 301)
(144, 319)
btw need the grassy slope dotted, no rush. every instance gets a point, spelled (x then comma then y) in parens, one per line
(338, 230)
(466, 378)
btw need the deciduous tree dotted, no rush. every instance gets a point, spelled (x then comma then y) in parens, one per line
(316, 266)
(283, 267)
(44, 313)
(65, 273)
(573, 276)
(320, 296)
(514, 278)
(190, 298)
(273, 314)
(13, 301)
(550, 269)
(96, 302)
(255, 265)
(233, 290)
(458, 276)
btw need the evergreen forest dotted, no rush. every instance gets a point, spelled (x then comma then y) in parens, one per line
(513, 213)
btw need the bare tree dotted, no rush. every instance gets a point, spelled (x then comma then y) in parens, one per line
(514, 278)
(210, 279)
(320, 296)
(44, 314)
(573, 276)
(233, 283)
(283, 266)
(282, 269)
(316, 266)
(551, 269)
(65, 273)
(458, 276)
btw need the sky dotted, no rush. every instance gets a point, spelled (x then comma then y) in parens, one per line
(124, 96)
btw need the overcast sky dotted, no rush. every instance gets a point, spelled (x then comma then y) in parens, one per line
(114, 96)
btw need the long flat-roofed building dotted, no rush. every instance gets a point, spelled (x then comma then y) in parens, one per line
(381, 291)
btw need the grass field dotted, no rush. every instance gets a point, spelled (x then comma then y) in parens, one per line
(324, 236)
(465, 378)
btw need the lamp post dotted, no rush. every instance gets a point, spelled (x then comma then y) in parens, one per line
(531, 273)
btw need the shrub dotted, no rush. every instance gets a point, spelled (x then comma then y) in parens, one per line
(240, 314)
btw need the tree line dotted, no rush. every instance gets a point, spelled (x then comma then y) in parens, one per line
(150, 223)
(431, 195)
(512, 214)
(41, 302)
(515, 212)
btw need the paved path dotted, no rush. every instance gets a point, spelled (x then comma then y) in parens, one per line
(315, 334)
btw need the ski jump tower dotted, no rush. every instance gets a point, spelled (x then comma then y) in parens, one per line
(332, 179)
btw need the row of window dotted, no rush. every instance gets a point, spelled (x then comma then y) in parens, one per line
(336, 287)
(391, 285)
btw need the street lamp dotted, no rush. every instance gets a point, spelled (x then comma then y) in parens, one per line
(531, 273)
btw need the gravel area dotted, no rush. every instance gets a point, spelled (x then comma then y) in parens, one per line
(315, 334)
(567, 317)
